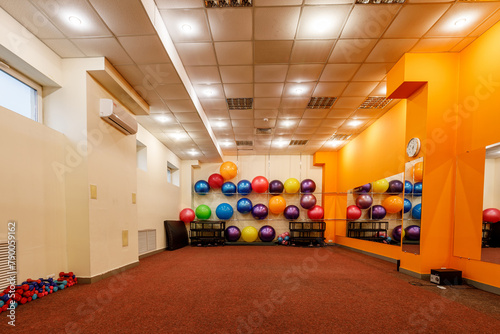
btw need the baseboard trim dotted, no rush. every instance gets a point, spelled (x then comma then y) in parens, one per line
(97, 278)
(483, 286)
(425, 277)
(381, 257)
(145, 255)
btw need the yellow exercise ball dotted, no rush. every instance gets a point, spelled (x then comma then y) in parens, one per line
(249, 234)
(277, 204)
(380, 186)
(228, 170)
(393, 204)
(292, 185)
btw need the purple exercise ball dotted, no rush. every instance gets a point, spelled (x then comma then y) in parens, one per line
(307, 201)
(363, 189)
(291, 212)
(395, 187)
(412, 232)
(396, 233)
(233, 233)
(267, 233)
(260, 211)
(276, 187)
(364, 201)
(378, 212)
(307, 186)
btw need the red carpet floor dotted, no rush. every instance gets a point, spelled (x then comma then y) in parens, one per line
(253, 290)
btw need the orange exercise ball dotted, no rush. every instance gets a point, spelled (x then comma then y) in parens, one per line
(418, 171)
(228, 170)
(393, 204)
(277, 204)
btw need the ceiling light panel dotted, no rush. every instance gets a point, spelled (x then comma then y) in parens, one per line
(227, 3)
(323, 22)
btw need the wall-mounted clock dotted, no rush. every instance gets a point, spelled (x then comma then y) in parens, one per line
(413, 147)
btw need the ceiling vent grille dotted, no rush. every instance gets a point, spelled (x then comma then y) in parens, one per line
(321, 102)
(375, 102)
(240, 143)
(341, 137)
(298, 142)
(380, 1)
(263, 131)
(240, 104)
(227, 3)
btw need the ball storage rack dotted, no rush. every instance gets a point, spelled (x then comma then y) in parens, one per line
(367, 230)
(307, 233)
(203, 233)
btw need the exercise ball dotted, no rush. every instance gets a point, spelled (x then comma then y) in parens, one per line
(307, 201)
(491, 215)
(232, 234)
(277, 204)
(260, 211)
(363, 189)
(244, 205)
(267, 233)
(316, 212)
(307, 186)
(249, 234)
(398, 233)
(260, 184)
(416, 212)
(417, 189)
(353, 212)
(408, 187)
(276, 187)
(380, 234)
(228, 170)
(393, 204)
(412, 232)
(186, 215)
(228, 188)
(407, 205)
(201, 187)
(224, 211)
(244, 187)
(364, 201)
(380, 186)
(377, 212)
(215, 181)
(292, 185)
(203, 212)
(395, 187)
(418, 171)
(291, 212)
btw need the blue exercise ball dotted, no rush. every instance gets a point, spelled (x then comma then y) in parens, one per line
(408, 187)
(224, 211)
(201, 187)
(228, 188)
(417, 211)
(407, 205)
(244, 205)
(244, 187)
(417, 189)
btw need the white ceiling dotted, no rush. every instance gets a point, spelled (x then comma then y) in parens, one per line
(278, 52)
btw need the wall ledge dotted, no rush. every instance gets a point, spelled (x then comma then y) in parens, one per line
(97, 278)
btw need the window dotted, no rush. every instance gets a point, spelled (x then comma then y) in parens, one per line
(142, 156)
(20, 94)
(172, 174)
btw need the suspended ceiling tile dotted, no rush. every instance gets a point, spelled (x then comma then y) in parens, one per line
(294, 89)
(186, 25)
(241, 114)
(203, 74)
(327, 2)
(348, 127)
(405, 24)
(329, 89)
(181, 105)
(304, 72)
(118, 14)
(390, 50)
(291, 113)
(332, 122)
(380, 89)
(214, 91)
(270, 73)
(160, 73)
(305, 131)
(326, 131)
(132, 74)
(172, 92)
(301, 137)
(352, 50)
(473, 12)
(244, 131)
(372, 72)
(262, 3)
(436, 44)
(369, 21)
(234, 53)
(315, 113)
(179, 4)
(463, 44)
(268, 89)
(103, 47)
(348, 102)
(188, 117)
(487, 24)
(311, 51)
(267, 52)
(267, 27)
(213, 103)
(145, 49)
(340, 113)
(367, 113)
(231, 24)
(322, 22)
(321, 137)
(193, 54)
(339, 72)
(64, 48)
(294, 103)
(238, 90)
(262, 123)
(266, 103)
(359, 88)
(217, 113)
(242, 123)
(266, 113)
(236, 74)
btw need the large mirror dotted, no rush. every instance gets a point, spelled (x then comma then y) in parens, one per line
(490, 238)
(412, 211)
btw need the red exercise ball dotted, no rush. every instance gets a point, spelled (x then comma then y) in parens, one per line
(187, 215)
(260, 184)
(215, 181)
(491, 215)
(353, 212)
(316, 212)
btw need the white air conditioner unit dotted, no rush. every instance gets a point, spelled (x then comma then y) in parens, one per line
(118, 117)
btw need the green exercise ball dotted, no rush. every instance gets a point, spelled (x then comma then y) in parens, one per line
(203, 212)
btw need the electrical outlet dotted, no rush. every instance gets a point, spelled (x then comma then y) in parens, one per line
(51, 276)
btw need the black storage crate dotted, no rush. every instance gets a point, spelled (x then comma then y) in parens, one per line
(307, 233)
(367, 230)
(207, 233)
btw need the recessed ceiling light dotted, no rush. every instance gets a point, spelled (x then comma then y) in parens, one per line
(220, 124)
(335, 143)
(186, 27)
(299, 91)
(179, 135)
(321, 25)
(281, 143)
(209, 92)
(75, 20)
(193, 152)
(226, 143)
(354, 123)
(162, 119)
(288, 123)
(460, 22)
